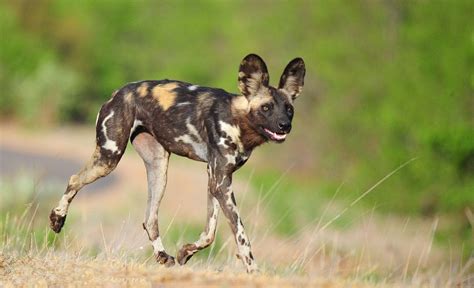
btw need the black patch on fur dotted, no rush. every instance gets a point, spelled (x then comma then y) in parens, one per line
(138, 130)
(233, 198)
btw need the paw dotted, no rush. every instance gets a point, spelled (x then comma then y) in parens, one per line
(56, 221)
(253, 269)
(249, 263)
(185, 253)
(165, 259)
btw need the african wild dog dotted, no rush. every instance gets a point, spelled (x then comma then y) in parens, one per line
(201, 123)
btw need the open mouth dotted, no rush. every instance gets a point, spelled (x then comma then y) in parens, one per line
(275, 136)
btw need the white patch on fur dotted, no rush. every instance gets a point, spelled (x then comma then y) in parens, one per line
(210, 171)
(136, 123)
(222, 142)
(193, 87)
(206, 237)
(233, 132)
(219, 184)
(193, 129)
(244, 250)
(63, 206)
(97, 118)
(109, 144)
(199, 147)
(157, 245)
(231, 158)
(182, 104)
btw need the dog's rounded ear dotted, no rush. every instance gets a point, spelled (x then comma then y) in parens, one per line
(292, 79)
(253, 75)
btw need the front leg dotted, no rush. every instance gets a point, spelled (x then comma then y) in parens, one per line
(221, 189)
(207, 237)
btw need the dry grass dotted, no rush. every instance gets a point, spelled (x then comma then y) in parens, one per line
(316, 258)
(26, 260)
(372, 251)
(59, 269)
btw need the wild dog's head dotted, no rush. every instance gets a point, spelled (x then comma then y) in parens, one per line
(270, 109)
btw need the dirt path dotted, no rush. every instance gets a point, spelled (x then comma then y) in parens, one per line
(54, 155)
(45, 168)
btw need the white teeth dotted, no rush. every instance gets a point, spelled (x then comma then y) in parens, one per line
(275, 136)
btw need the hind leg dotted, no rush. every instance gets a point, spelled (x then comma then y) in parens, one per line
(98, 166)
(113, 129)
(156, 159)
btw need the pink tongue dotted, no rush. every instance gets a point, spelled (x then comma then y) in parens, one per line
(275, 135)
(279, 137)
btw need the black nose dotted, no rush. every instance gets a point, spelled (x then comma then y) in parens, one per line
(284, 126)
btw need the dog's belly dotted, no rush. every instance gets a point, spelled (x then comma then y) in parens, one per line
(186, 144)
(189, 148)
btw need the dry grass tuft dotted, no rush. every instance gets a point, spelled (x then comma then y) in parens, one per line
(61, 269)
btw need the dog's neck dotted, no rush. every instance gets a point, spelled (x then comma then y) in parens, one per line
(248, 134)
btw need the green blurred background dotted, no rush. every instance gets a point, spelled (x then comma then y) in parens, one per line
(387, 81)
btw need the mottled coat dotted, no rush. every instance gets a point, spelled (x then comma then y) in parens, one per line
(201, 123)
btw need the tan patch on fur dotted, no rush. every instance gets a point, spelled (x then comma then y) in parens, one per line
(253, 84)
(255, 81)
(204, 99)
(164, 95)
(292, 87)
(287, 94)
(90, 172)
(261, 98)
(74, 180)
(93, 169)
(240, 104)
(128, 97)
(143, 90)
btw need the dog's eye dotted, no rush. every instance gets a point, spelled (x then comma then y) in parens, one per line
(265, 107)
(289, 110)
